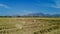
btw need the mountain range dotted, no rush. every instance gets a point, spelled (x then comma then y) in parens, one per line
(42, 14)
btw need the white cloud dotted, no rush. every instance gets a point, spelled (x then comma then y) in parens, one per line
(57, 4)
(3, 5)
(27, 12)
(23, 12)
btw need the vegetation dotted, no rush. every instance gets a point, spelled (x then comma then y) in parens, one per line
(30, 25)
(31, 16)
(54, 29)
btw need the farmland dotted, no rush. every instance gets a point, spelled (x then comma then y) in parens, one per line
(30, 25)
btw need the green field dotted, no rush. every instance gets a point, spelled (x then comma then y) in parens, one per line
(30, 25)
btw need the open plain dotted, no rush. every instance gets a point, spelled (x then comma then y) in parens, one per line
(30, 25)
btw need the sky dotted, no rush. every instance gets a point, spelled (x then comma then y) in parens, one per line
(23, 7)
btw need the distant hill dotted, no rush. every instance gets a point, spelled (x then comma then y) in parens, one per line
(35, 14)
(42, 14)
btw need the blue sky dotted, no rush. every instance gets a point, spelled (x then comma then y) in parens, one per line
(22, 7)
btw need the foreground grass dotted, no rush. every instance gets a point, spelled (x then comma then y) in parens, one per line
(30, 25)
(54, 29)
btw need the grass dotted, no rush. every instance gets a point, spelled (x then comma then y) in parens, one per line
(30, 25)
